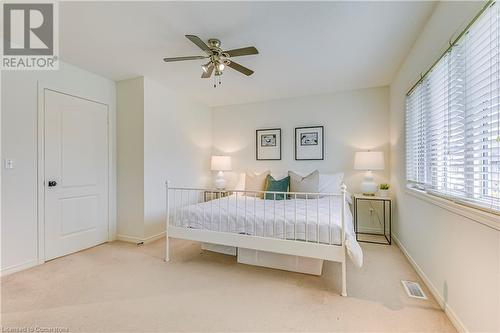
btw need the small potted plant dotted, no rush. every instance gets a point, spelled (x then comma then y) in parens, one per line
(384, 190)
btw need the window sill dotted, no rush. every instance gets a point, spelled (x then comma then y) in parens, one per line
(489, 219)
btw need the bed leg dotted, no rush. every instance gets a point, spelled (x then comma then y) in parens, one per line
(167, 221)
(167, 249)
(344, 279)
(342, 218)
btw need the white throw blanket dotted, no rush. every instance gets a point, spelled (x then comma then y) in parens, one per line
(277, 219)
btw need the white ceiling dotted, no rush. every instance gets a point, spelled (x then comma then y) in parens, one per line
(305, 47)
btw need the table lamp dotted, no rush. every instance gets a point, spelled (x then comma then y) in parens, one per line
(220, 164)
(369, 161)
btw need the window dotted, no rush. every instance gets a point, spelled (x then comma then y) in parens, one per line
(453, 119)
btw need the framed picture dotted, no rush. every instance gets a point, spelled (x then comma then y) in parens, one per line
(309, 143)
(268, 144)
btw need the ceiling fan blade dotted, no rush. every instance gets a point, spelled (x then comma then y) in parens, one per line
(201, 44)
(208, 73)
(240, 68)
(184, 58)
(242, 52)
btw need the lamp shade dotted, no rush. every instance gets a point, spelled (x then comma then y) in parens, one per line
(221, 163)
(369, 160)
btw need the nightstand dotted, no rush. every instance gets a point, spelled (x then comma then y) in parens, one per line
(211, 195)
(374, 237)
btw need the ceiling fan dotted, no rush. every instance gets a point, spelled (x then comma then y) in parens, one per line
(217, 58)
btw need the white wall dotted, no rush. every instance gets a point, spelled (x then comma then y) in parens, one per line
(161, 136)
(130, 157)
(19, 143)
(354, 120)
(177, 147)
(459, 257)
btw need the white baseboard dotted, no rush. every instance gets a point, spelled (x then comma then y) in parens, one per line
(19, 267)
(137, 240)
(455, 320)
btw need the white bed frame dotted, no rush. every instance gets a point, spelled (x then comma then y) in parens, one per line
(330, 251)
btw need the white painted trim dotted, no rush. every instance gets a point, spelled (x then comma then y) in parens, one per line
(19, 267)
(488, 219)
(40, 166)
(137, 240)
(111, 186)
(498, 266)
(448, 310)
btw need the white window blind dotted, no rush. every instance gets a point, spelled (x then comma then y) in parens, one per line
(453, 120)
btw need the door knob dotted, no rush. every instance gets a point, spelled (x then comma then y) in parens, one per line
(52, 183)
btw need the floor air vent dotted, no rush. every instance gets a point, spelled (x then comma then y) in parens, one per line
(413, 289)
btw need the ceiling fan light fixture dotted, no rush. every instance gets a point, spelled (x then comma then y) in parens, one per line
(205, 67)
(220, 66)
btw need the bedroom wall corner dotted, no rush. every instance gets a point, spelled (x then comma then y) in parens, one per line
(162, 136)
(177, 147)
(130, 153)
(457, 257)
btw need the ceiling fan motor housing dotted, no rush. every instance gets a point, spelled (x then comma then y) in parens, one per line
(214, 42)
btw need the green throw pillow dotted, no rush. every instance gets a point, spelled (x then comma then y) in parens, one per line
(277, 186)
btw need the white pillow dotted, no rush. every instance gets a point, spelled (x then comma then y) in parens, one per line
(330, 182)
(240, 185)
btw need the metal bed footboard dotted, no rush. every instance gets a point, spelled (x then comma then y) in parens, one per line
(180, 201)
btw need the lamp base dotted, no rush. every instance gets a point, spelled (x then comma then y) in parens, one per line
(368, 186)
(220, 181)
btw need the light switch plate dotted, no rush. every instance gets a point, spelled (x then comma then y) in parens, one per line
(9, 164)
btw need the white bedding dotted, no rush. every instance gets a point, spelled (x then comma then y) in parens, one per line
(269, 218)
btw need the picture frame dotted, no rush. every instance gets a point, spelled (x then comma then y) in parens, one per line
(268, 144)
(309, 143)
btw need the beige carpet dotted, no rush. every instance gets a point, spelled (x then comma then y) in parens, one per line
(120, 287)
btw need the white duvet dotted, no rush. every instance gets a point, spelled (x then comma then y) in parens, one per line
(278, 219)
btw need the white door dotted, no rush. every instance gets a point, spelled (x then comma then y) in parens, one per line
(76, 174)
